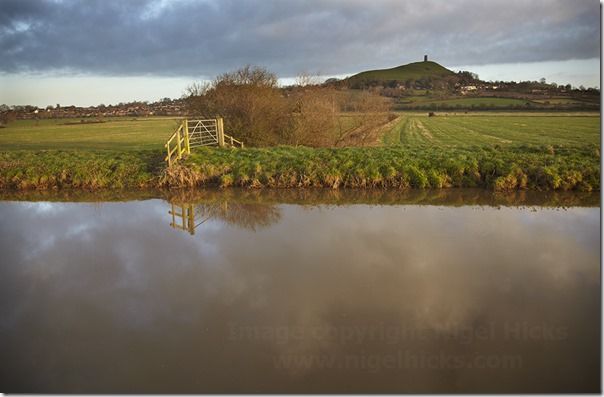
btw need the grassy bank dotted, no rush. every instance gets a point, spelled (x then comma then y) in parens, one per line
(510, 168)
(82, 169)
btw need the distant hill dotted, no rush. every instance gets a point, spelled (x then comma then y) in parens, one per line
(412, 71)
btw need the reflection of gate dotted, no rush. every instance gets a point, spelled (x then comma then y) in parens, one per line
(197, 133)
(183, 215)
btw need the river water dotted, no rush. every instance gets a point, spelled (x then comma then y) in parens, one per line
(464, 291)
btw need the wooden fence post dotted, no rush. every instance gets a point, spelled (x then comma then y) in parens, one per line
(178, 142)
(187, 144)
(169, 157)
(220, 131)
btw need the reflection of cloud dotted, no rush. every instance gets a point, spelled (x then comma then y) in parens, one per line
(431, 267)
(130, 286)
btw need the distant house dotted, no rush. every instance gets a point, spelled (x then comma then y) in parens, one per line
(468, 88)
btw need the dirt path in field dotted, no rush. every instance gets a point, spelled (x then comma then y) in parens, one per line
(498, 139)
(416, 130)
(423, 130)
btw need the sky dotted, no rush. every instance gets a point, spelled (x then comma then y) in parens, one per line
(95, 51)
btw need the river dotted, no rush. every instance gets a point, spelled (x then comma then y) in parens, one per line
(464, 291)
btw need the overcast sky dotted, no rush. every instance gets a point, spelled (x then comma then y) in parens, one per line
(89, 52)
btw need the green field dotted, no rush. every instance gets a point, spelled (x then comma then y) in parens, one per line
(467, 129)
(464, 102)
(488, 150)
(487, 130)
(112, 134)
(497, 151)
(559, 101)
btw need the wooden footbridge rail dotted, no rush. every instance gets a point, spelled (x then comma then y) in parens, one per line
(197, 132)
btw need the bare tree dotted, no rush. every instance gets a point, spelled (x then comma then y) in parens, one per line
(306, 79)
(197, 89)
(250, 102)
(256, 110)
(315, 116)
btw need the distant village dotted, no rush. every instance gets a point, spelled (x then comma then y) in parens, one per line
(164, 107)
(463, 84)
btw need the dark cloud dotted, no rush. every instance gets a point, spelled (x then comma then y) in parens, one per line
(203, 38)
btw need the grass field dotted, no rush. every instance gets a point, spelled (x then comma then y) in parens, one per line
(559, 101)
(502, 152)
(112, 134)
(468, 129)
(503, 130)
(464, 102)
(428, 102)
(497, 151)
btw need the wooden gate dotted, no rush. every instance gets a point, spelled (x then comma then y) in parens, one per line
(205, 132)
(196, 133)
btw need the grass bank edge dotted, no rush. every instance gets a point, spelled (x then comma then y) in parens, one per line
(80, 169)
(498, 168)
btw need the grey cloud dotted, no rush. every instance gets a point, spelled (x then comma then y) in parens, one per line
(204, 38)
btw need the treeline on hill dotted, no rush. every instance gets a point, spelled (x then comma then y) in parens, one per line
(260, 113)
(442, 91)
(449, 82)
(454, 81)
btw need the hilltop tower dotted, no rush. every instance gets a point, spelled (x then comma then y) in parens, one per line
(425, 58)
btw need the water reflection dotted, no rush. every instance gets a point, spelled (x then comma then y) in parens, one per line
(254, 209)
(447, 197)
(189, 216)
(299, 297)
